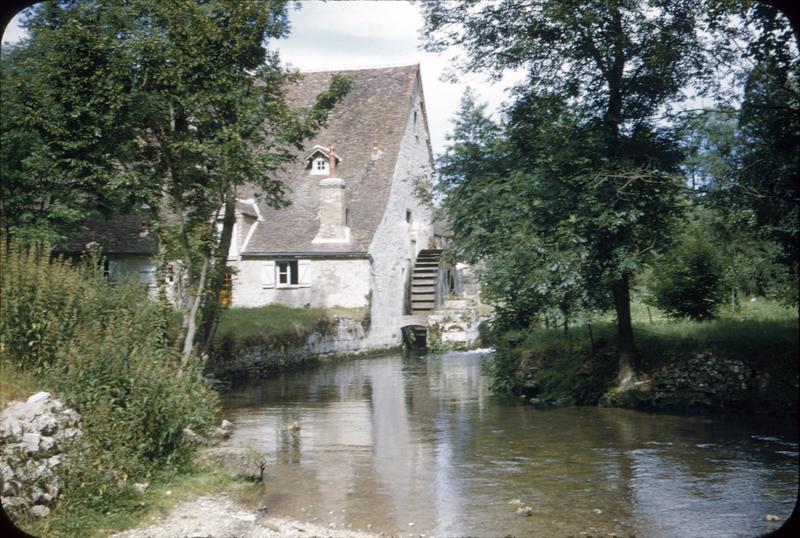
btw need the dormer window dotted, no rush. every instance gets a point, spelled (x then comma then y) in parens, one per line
(320, 166)
(319, 161)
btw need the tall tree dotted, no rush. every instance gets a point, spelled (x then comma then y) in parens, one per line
(603, 72)
(173, 104)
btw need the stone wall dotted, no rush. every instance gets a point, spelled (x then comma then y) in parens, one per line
(708, 382)
(331, 282)
(457, 321)
(33, 435)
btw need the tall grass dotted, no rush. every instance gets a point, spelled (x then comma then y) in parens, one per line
(103, 350)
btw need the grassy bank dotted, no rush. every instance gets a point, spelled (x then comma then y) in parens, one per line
(271, 332)
(579, 367)
(279, 324)
(102, 350)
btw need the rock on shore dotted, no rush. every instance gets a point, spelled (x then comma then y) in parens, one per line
(33, 435)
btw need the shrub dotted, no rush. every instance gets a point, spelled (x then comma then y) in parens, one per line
(687, 283)
(102, 349)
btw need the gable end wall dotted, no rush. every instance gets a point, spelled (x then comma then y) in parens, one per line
(395, 244)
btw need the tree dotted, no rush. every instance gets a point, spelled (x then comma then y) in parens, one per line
(171, 104)
(745, 154)
(687, 281)
(583, 123)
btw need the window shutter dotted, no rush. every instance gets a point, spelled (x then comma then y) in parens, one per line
(268, 275)
(304, 273)
(113, 270)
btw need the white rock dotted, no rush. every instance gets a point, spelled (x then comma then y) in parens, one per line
(39, 510)
(140, 487)
(39, 397)
(46, 444)
(31, 441)
(226, 425)
(46, 424)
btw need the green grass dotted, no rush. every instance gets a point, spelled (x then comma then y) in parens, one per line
(273, 320)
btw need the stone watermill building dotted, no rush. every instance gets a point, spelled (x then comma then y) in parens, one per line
(356, 233)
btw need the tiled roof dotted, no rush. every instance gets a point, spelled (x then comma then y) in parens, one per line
(118, 234)
(373, 111)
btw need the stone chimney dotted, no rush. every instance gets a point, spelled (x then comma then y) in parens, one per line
(332, 211)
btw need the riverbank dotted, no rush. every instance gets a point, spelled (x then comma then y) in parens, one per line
(726, 365)
(219, 516)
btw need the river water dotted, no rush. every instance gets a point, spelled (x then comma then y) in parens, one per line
(420, 445)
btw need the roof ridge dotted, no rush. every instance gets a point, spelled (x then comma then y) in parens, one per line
(350, 70)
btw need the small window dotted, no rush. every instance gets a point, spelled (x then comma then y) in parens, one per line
(147, 274)
(319, 166)
(111, 270)
(286, 272)
(408, 216)
(415, 117)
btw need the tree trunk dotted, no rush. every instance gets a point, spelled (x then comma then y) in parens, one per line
(190, 319)
(212, 307)
(628, 360)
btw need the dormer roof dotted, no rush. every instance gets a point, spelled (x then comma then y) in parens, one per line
(322, 151)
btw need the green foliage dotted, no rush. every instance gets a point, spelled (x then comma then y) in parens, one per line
(687, 280)
(102, 349)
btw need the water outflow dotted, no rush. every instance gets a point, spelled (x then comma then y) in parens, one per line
(420, 445)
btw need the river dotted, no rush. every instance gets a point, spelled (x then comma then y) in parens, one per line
(420, 445)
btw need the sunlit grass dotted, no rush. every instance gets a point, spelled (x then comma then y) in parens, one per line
(16, 384)
(277, 319)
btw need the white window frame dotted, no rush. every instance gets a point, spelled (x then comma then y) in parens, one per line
(291, 270)
(273, 269)
(320, 167)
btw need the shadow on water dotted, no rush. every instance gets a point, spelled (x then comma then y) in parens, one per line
(390, 441)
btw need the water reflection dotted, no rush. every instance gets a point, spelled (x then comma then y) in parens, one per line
(387, 442)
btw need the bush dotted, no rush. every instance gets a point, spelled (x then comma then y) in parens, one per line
(687, 283)
(103, 350)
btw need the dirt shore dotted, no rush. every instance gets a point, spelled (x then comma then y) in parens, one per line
(219, 516)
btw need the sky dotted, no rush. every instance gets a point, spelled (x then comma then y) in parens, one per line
(354, 35)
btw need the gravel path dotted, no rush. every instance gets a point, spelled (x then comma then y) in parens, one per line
(220, 517)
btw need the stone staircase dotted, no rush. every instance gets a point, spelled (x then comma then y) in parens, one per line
(423, 290)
